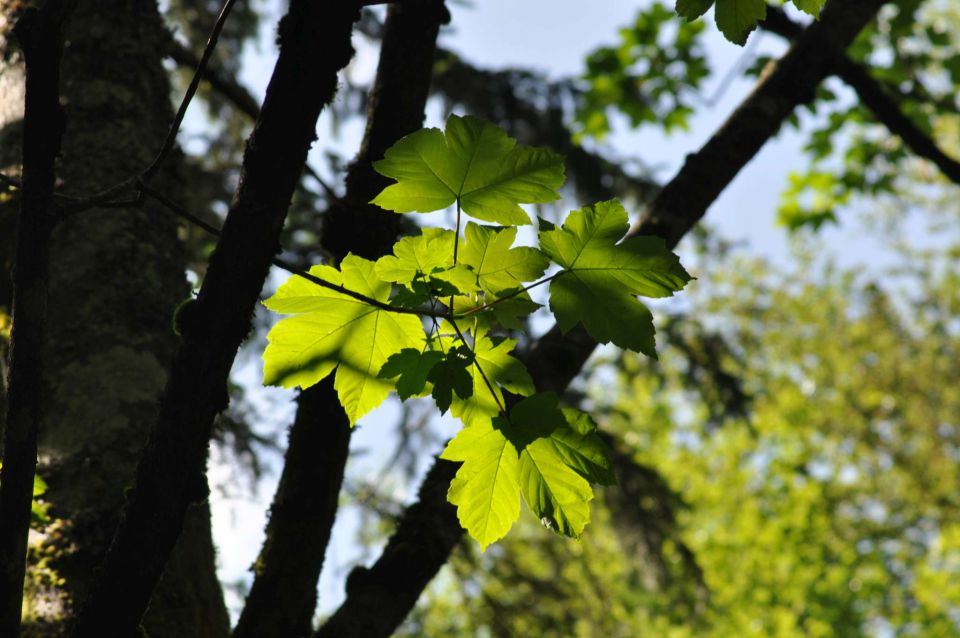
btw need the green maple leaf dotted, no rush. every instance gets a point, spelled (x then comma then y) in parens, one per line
(811, 7)
(486, 489)
(410, 368)
(502, 370)
(498, 265)
(556, 493)
(473, 162)
(329, 330)
(538, 453)
(450, 375)
(602, 278)
(693, 9)
(737, 18)
(424, 263)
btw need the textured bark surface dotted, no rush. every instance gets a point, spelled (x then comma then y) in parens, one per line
(115, 277)
(314, 43)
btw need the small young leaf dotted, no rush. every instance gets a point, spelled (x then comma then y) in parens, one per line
(693, 9)
(508, 313)
(417, 256)
(428, 258)
(602, 278)
(457, 280)
(499, 266)
(450, 375)
(474, 162)
(811, 7)
(412, 367)
(737, 18)
(331, 330)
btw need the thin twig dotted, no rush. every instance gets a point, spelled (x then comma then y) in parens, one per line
(483, 374)
(186, 215)
(171, 140)
(111, 193)
(238, 95)
(511, 295)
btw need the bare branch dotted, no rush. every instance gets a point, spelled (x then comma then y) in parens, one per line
(874, 96)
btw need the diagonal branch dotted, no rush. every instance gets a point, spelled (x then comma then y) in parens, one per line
(379, 598)
(235, 93)
(557, 358)
(38, 32)
(305, 504)
(874, 96)
(314, 45)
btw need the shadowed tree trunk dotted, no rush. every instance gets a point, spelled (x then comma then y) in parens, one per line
(115, 277)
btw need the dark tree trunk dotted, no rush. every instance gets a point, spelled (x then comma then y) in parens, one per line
(115, 277)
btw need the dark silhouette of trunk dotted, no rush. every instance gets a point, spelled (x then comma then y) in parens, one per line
(115, 277)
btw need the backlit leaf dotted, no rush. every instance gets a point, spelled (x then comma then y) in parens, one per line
(472, 161)
(330, 330)
(602, 278)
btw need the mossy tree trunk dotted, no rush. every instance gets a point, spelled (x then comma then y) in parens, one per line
(115, 277)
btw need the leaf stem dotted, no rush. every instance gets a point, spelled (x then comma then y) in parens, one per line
(511, 295)
(456, 235)
(456, 246)
(186, 215)
(483, 374)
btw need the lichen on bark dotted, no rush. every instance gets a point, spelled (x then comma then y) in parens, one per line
(115, 277)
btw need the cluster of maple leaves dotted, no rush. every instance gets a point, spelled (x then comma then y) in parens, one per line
(430, 319)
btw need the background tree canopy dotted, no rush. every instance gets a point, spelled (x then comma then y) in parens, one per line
(786, 453)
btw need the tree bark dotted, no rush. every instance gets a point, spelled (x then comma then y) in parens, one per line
(874, 96)
(314, 40)
(115, 277)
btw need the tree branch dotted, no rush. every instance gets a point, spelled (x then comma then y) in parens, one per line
(314, 45)
(235, 93)
(557, 358)
(305, 504)
(38, 32)
(379, 598)
(874, 96)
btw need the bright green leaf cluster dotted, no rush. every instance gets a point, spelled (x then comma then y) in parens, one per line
(737, 18)
(430, 319)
